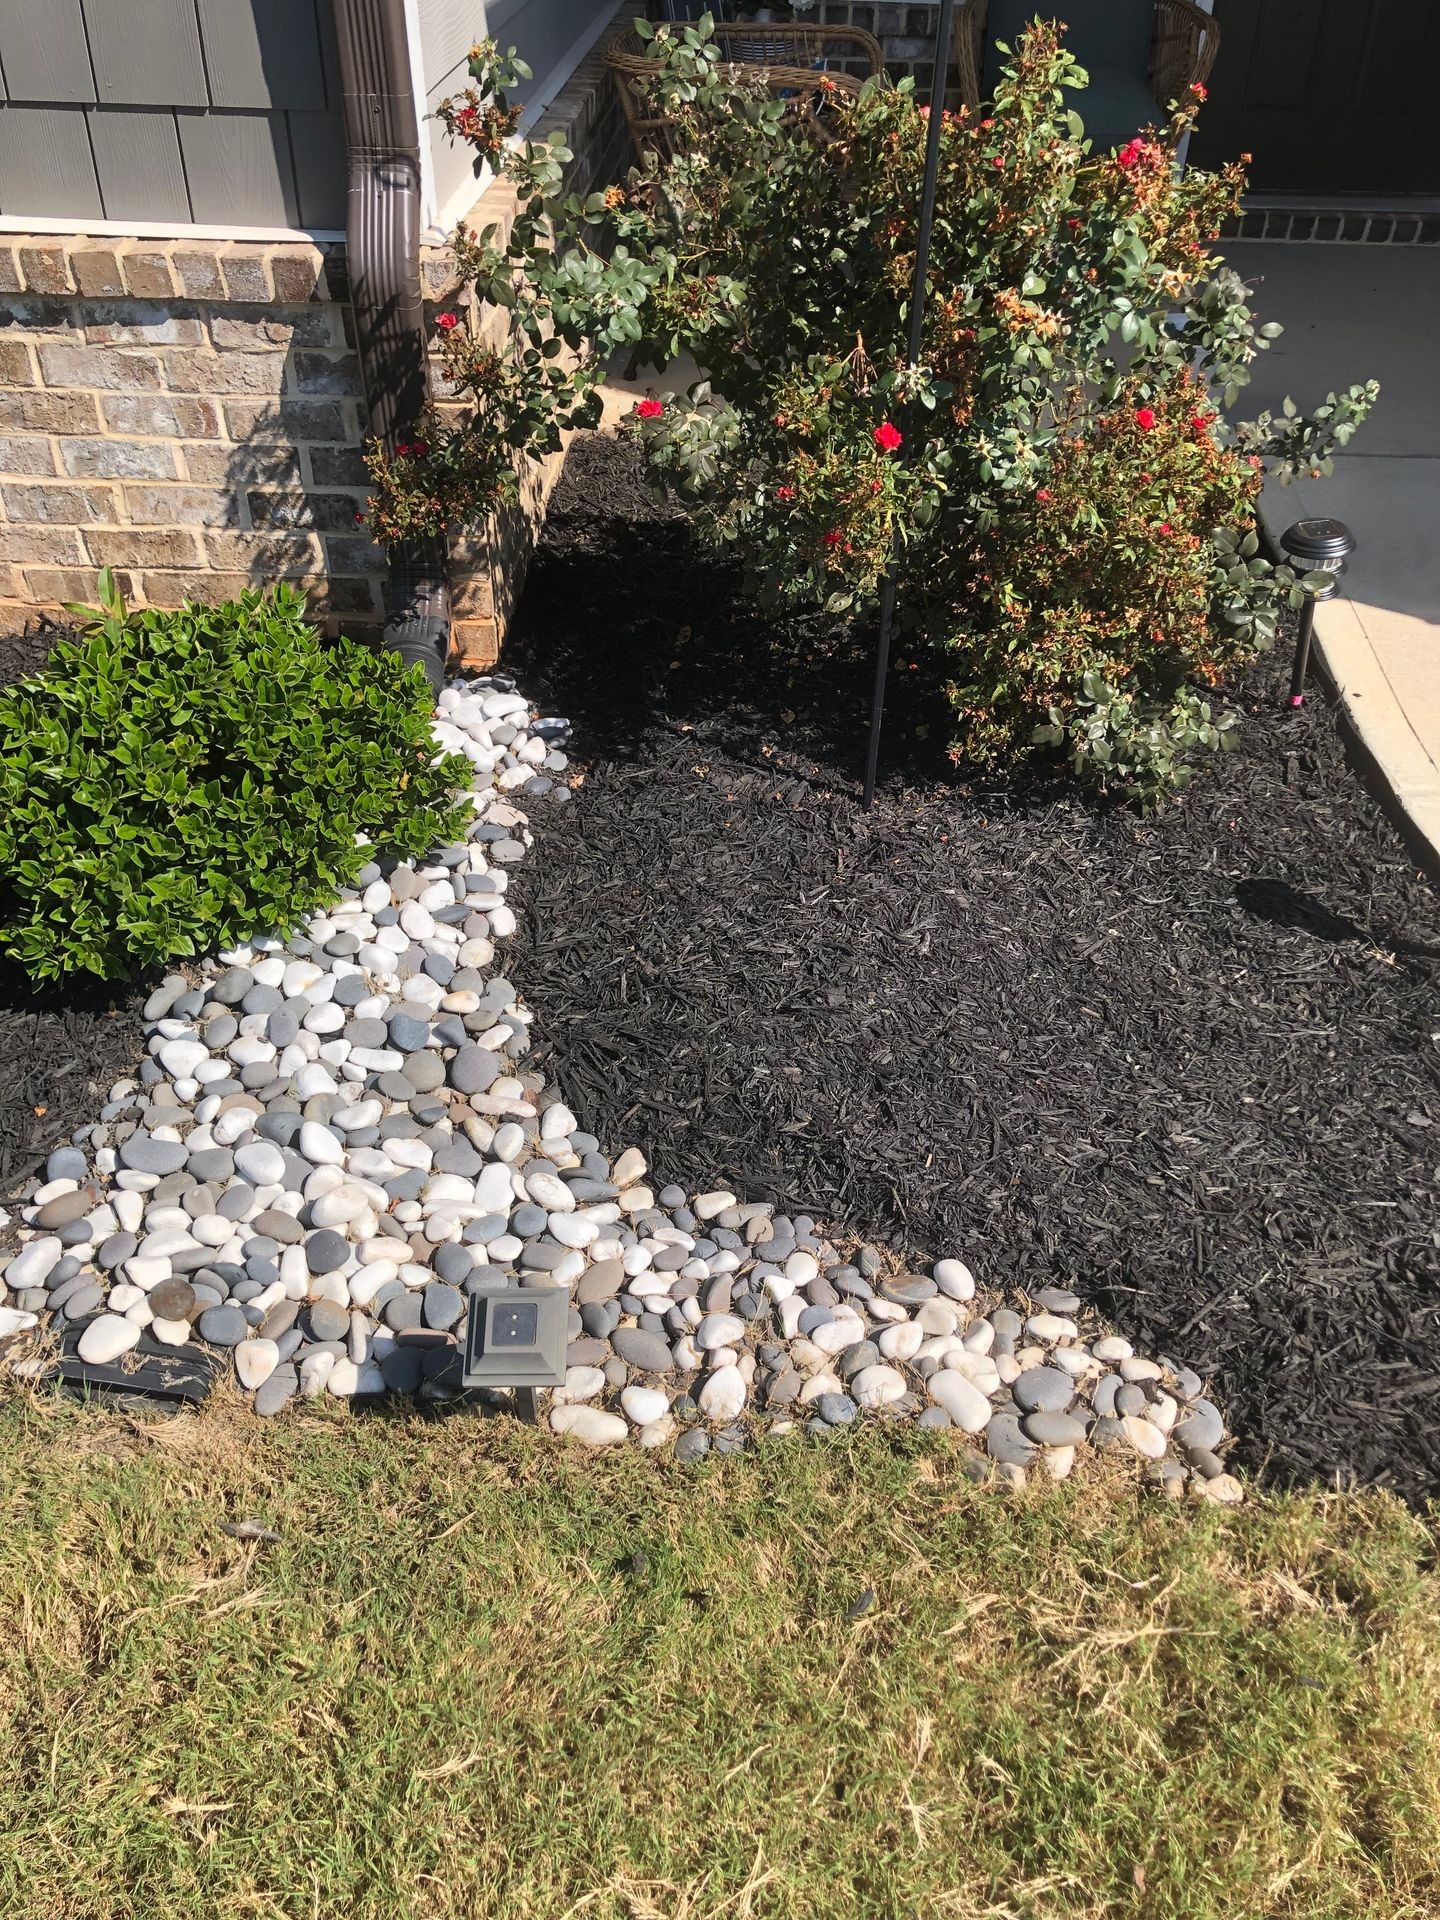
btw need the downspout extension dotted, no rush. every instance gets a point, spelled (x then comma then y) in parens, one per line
(382, 240)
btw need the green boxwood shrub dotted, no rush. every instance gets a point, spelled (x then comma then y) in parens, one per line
(173, 782)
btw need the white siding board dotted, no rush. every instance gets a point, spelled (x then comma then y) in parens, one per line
(544, 33)
(448, 29)
(450, 167)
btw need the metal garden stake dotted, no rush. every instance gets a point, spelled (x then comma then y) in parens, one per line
(1315, 546)
(918, 291)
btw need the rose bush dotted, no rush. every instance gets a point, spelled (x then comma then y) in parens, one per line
(1074, 515)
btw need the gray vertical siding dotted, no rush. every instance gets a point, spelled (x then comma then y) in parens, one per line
(137, 155)
(317, 146)
(49, 147)
(264, 54)
(43, 51)
(212, 112)
(146, 53)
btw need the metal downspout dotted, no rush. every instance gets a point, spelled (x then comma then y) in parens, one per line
(382, 239)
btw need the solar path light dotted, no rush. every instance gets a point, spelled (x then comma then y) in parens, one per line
(1314, 547)
(516, 1337)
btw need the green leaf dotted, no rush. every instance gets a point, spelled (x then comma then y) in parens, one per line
(168, 832)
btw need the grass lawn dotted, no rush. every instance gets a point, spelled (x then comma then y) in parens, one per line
(481, 1674)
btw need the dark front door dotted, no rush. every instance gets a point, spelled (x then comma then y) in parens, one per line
(1330, 96)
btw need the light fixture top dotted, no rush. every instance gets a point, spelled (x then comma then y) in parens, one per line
(517, 1337)
(1323, 543)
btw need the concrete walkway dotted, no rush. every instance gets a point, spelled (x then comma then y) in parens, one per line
(1356, 313)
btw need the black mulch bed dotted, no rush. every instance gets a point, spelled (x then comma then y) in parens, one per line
(62, 1048)
(1187, 1065)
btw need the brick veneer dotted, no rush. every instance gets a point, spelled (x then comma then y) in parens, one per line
(187, 413)
(906, 32)
(190, 414)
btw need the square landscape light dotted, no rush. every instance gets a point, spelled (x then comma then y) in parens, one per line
(517, 1337)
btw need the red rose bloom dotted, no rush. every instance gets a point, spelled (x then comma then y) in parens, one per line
(887, 438)
(1145, 418)
(447, 322)
(649, 409)
(784, 493)
(1200, 91)
(1042, 493)
(1200, 421)
(420, 448)
(1165, 526)
(832, 538)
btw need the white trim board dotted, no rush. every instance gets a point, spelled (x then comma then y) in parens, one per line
(543, 98)
(417, 87)
(159, 230)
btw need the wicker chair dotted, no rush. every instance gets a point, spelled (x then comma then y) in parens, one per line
(1184, 40)
(791, 58)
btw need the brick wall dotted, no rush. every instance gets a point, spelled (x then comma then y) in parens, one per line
(187, 413)
(906, 34)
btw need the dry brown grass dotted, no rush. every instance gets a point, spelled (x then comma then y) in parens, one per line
(448, 1690)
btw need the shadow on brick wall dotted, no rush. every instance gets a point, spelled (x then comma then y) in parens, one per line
(295, 475)
(198, 440)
